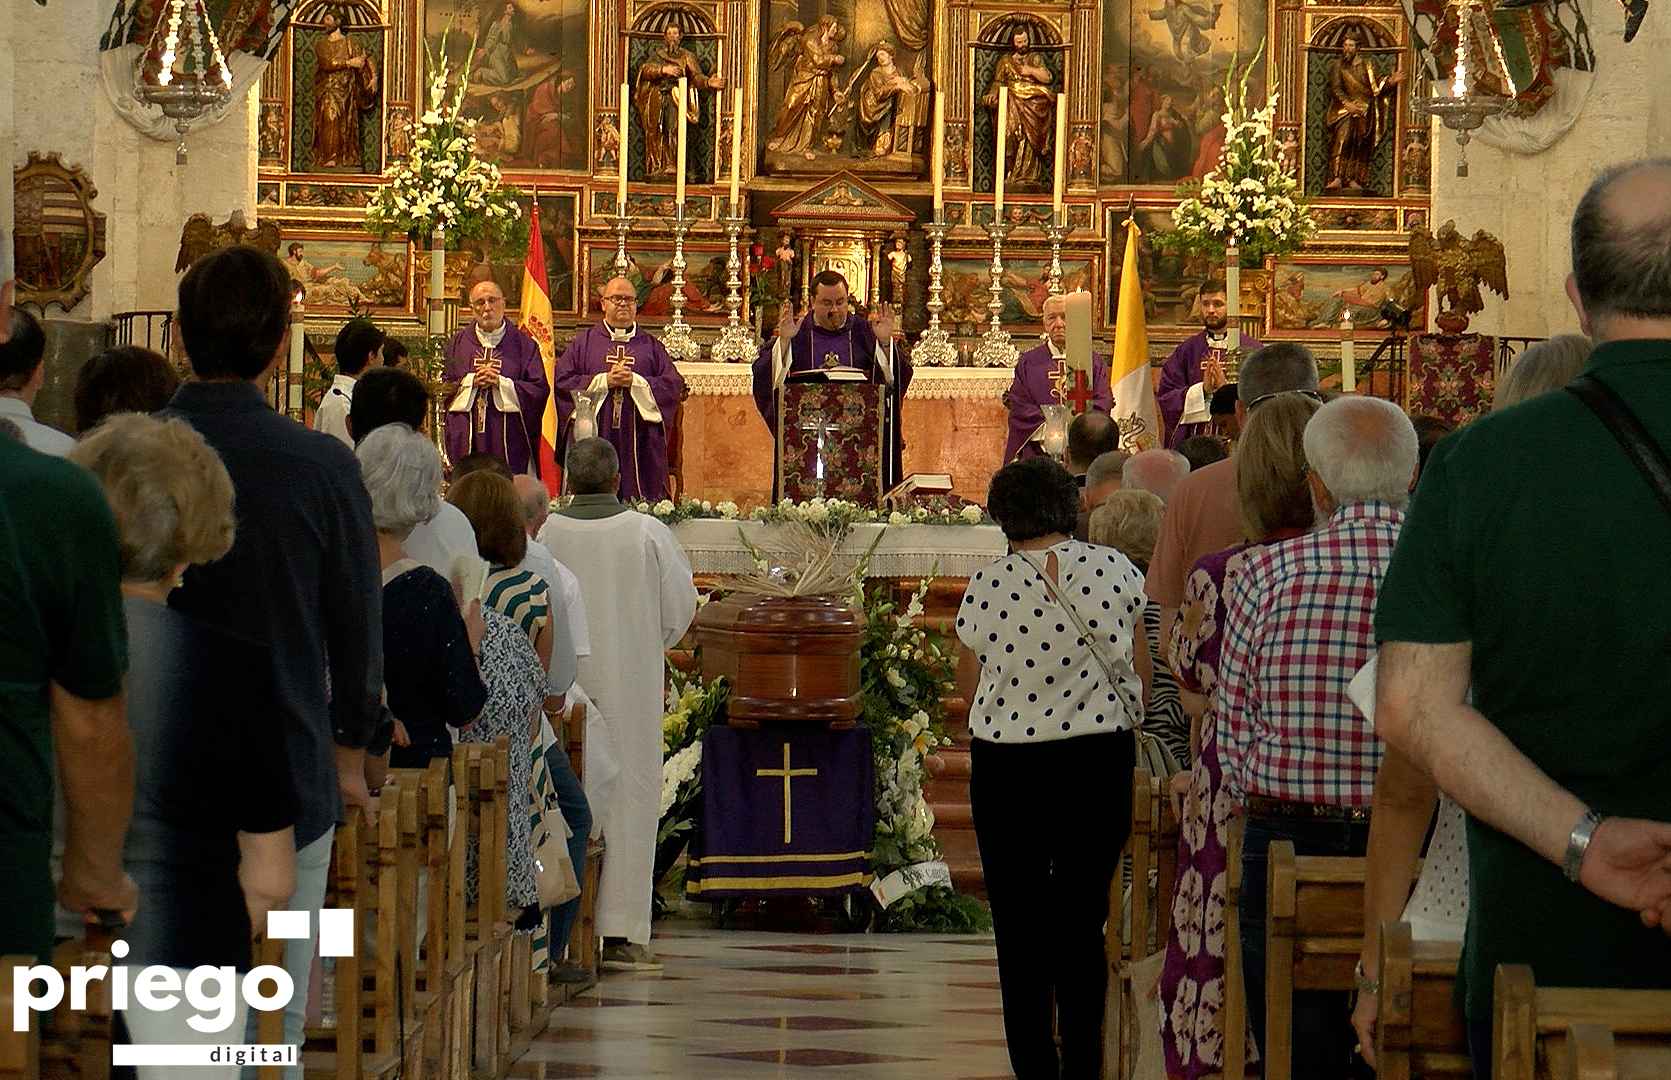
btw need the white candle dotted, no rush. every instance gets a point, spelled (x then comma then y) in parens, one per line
(626, 144)
(1061, 153)
(679, 175)
(1003, 138)
(938, 151)
(1348, 357)
(736, 147)
(1233, 294)
(1077, 310)
(298, 355)
(437, 264)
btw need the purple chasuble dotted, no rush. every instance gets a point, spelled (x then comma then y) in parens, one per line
(641, 444)
(1035, 387)
(1181, 371)
(512, 437)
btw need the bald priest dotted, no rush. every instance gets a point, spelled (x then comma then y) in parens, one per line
(833, 338)
(618, 383)
(495, 386)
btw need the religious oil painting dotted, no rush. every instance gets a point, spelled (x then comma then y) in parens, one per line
(847, 86)
(670, 43)
(1309, 299)
(527, 85)
(503, 265)
(650, 269)
(1024, 53)
(1162, 84)
(1353, 84)
(1026, 285)
(1171, 280)
(339, 272)
(337, 77)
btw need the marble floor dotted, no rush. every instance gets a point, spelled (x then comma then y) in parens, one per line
(741, 1005)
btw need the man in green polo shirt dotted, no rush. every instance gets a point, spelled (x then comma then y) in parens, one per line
(1545, 590)
(63, 652)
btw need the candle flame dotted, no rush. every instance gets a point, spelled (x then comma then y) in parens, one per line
(1459, 84)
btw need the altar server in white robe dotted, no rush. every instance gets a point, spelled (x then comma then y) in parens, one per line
(640, 599)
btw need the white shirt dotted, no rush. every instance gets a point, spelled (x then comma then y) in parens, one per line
(332, 415)
(36, 435)
(441, 539)
(1039, 678)
(538, 559)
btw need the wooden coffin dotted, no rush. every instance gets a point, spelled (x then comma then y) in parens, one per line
(787, 658)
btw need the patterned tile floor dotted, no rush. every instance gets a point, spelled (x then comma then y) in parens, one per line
(741, 1005)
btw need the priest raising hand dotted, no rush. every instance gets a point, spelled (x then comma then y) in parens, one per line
(616, 382)
(495, 386)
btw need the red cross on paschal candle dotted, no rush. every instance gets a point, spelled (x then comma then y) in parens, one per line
(1080, 396)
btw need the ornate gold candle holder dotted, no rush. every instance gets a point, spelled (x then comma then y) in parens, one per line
(934, 346)
(736, 344)
(996, 349)
(623, 225)
(676, 337)
(1056, 232)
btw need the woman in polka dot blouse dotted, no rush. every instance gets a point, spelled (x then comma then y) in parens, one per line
(1057, 633)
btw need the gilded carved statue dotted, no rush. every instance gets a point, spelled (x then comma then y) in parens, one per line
(344, 85)
(1032, 113)
(1458, 266)
(885, 97)
(1360, 116)
(811, 96)
(654, 99)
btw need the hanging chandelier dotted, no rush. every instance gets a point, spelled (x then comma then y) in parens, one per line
(1462, 105)
(182, 70)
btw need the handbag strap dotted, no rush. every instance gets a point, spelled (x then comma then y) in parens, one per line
(1090, 635)
(1639, 446)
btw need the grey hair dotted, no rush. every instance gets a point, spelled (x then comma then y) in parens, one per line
(1106, 467)
(1621, 264)
(531, 493)
(593, 467)
(402, 473)
(1156, 471)
(1542, 367)
(1275, 369)
(1363, 449)
(1129, 521)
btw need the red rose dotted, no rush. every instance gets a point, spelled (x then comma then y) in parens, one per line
(756, 250)
(767, 262)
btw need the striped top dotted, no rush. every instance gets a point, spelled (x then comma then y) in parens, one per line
(521, 596)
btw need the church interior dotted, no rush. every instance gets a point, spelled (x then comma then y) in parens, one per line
(962, 165)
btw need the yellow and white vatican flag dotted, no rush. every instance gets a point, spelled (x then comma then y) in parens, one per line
(1128, 368)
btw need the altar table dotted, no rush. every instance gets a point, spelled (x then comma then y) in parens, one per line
(905, 551)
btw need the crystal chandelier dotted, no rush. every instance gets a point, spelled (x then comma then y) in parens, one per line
(182, 70)
(1463, 106)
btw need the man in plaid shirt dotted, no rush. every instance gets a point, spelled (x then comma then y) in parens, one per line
(1297, 756)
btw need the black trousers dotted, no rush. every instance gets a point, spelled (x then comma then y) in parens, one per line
(1051, 819)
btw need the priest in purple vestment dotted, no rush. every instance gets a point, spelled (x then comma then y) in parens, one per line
(832, 338)
(1195, 369)
(617, 382)
(1042, 377)
(494, 386)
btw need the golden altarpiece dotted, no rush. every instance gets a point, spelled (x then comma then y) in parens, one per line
(837, 148)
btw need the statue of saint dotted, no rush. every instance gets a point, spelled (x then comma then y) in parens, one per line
(344, 84)
(887, 95)
(899, 260)
(810, 95)
(1360, 115)
(1032, 117)
(786, 262)
(654, 99)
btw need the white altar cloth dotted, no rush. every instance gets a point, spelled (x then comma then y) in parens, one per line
(952, 551)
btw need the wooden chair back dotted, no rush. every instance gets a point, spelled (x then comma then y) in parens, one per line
(1313, 937)
(20, 1051)
(1419, 1031)
(1133, 933)
(349, 888)
(1233, 1016)
(1543, 1033)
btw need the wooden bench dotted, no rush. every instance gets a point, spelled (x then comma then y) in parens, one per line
(1545, 1033)
(64, 1042)
(585, 946)
(1132, 934)
(1419, 1031)
(485, 924)
(1313, 937)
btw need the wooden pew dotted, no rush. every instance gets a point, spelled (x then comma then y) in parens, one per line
(1233, 1017)
(1313, 937)
(1130, 937)
(1419, 1031)
(486, 925)
(1544, 1033)
(20, 1051)
(585, 946)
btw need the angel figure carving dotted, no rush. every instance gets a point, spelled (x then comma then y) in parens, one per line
(810, 95)
(1458, 266)
(201, 235)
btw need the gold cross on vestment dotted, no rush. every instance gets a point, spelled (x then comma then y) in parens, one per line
(619, 360)
(788, 774)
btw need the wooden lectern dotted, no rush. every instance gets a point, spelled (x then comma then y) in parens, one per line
(830, 439)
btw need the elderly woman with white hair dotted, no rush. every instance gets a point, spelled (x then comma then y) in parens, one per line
(211, 845)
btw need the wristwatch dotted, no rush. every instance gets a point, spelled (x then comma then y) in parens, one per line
(1363, 983)
(1579, 842)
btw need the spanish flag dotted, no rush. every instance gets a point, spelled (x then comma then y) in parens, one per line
(536, 321)
(1128, 369)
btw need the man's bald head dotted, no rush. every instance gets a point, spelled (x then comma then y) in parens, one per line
(536, 504)
(1055, 313)
(620, 302)
(1621, 252)
(1091, 435)
(487, 301)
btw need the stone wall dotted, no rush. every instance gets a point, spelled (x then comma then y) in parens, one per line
(1527, 200)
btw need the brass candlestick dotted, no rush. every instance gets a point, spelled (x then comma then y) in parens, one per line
(1057, 231)
(736, 344)
(996, 349)
(676, 337)
(623, 225)
(934, 346)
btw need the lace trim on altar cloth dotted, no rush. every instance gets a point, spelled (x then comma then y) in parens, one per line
(947, 551)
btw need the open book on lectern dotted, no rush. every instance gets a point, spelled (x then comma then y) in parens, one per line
(827, 375)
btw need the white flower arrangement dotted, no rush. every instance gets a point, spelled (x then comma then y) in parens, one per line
(825, 515)
(675, 771)
(443, 183)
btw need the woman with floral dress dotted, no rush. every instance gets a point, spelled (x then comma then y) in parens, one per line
(1275, 505)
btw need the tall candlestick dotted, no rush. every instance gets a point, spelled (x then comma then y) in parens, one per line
(1061, 152)
(736, 147)
(626, 145)
(1233, 295)
(998, 167)
(298, 361)
(679, 176)
(736, 342)
(676, 337)
(938, 151)
(934, 346)
(437, 280)
(996, 348)
(1348, 355)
